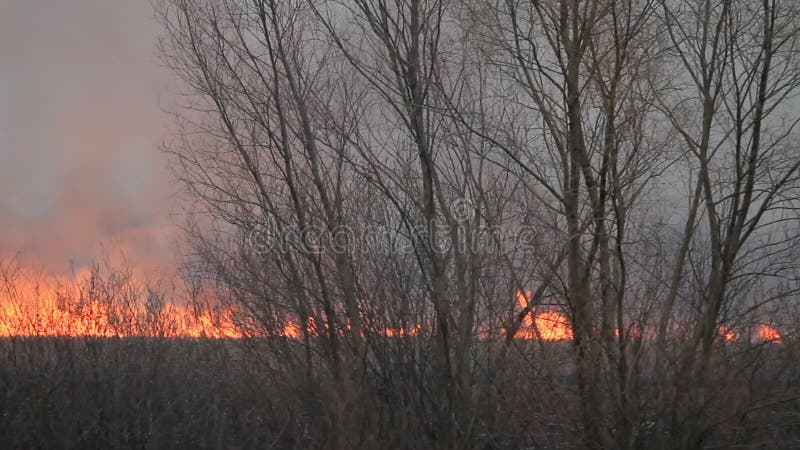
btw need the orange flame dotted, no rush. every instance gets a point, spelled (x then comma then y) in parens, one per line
(206, 324)
(33, 305)
(768, 333)
(400, 332)
(95, 319)
(523, 298)
(551, 325)
(728, 334)
(634, 331)
(57, 307)
(291, 330)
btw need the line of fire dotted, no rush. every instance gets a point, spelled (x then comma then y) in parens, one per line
(56, 307)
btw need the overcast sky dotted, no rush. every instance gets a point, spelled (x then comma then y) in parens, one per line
(81, 101)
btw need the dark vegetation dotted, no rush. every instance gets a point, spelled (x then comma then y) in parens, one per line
(151, 393)
(143, 393)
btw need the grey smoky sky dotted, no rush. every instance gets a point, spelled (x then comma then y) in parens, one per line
(81, 100)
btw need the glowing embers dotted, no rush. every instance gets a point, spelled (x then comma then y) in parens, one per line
(549, 325)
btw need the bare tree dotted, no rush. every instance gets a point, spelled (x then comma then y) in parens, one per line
(740, 61)
(629, 162)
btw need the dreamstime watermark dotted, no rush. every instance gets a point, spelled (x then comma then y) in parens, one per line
(457, 231)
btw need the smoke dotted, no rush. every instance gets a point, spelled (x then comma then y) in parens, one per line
(80, 125)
